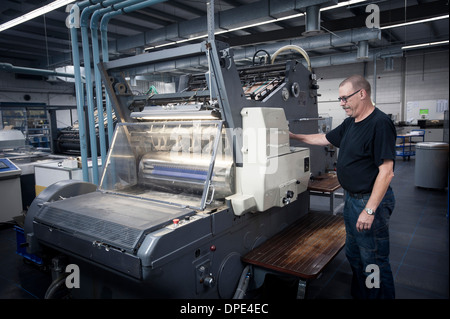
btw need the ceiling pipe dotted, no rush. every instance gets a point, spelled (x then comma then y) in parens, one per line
(362, 50)
(388, 63)
(7, 67)
(240, 16)
(349, 37)
(200, 63)
(348, 58)
(312, 21)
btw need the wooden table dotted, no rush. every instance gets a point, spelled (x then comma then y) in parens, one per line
(325, 185)
(303, 249)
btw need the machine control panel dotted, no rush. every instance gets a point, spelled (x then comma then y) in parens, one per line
(8, 168)
(179, 222)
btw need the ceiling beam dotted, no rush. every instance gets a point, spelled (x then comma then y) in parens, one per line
(262, 10)
(386, 18)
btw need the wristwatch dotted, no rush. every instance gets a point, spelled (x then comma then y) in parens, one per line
(369, 211)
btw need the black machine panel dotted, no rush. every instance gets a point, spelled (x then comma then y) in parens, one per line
(108, 219)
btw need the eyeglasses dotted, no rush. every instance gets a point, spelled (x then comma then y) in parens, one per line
(345, 98)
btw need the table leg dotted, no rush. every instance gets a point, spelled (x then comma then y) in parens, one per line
(301, 290)
(332, 202)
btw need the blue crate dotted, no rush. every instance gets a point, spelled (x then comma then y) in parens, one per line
(21, 250)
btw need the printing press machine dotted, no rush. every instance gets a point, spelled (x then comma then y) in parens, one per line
(193, 180)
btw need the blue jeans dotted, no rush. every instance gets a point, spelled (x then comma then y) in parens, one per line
(369, 247)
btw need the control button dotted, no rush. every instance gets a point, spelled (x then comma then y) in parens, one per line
(209, 281)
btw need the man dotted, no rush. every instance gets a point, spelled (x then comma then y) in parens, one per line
(365, 168)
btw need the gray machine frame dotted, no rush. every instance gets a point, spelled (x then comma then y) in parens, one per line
(200, 257)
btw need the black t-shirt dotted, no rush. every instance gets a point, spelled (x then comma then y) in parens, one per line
(362, 148)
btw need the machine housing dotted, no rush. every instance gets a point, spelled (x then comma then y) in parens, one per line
(193, 180)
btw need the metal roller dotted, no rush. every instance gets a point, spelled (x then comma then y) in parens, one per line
(187, 173)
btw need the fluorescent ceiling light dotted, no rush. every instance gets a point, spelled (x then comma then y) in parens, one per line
(228, 30)
(35, 13)
(414, 46)
(415, 22)
(342, 4)
(265, 22)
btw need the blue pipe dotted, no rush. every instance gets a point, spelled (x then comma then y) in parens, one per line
(97, 78)
(105, 48)
(118, 9)
(99, 96)
(105, 57)
(126, 7)
(76, 8)
(89, 90)
(98, 83)
(88, 7)
(108, 6)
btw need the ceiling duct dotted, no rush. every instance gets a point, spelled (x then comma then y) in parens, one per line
(312, 21)
(326, 40)
(363, 50)
(388, 63)
(7, 67)
(348, 37)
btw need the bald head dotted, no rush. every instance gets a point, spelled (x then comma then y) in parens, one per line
(358, 82)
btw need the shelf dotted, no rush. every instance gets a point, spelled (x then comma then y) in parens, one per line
(406, 148)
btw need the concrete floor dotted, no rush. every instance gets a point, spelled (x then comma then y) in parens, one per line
(418, 241)
(418, 238)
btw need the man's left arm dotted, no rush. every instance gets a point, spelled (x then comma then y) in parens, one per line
(384, 178)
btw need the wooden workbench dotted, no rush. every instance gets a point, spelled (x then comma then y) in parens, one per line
(325, 185)
(303, 249)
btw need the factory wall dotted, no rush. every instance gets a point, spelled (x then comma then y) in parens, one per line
(14, 90)
(25, 89)
(33, 90)
(418, 76)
